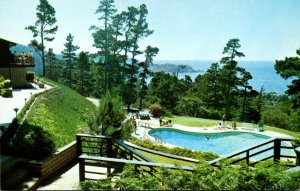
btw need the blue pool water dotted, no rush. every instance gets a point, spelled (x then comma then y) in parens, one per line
(219, 143)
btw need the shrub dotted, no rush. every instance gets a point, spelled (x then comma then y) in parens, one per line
(109, 119)
(27, 141)
(7, 84)
(205, 177)
(6, 92)
(155, 109)
(30, 76)
(2, 82)
(276, 118)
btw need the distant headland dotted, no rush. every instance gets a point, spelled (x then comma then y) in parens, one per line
(172, 68)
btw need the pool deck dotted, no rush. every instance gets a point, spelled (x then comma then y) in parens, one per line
(143, 126)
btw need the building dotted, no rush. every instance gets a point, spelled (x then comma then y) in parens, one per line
(13, 64)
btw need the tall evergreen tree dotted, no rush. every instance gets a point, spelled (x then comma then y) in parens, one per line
(246, 88)
(84, 75)
(229, 74)
(150, 52)
(70, 55)
(290, 68)
(50, 58)
(106, 9)
(139, 31)
(43, 28)
(212, 91)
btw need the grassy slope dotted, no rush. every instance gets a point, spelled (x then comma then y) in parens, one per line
(166, 160)
(62, 112)
(200, 122)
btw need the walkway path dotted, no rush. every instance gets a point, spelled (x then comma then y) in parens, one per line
(7, 105)
(95, 101)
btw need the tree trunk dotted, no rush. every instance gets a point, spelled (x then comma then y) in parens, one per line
(43, 52)
(244, 103)
(141, 101)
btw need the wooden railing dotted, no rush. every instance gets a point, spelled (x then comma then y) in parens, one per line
(105, 146)
(276, 155)
(96, 151)
(117, 165)
(92, 148)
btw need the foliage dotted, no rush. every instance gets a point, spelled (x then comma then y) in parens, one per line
(167, 88)
(70, 55)
(297, 140)
(150, 52)
(110, 119)
(51, 60)
(195, 107)
(103, 184)
(155, 109)
(289, 68)
(276, 118)
(42, 28)
(61, 112)
(176, 150)
(28, 141)
(205, 177)
(83, 75)
(7, 92)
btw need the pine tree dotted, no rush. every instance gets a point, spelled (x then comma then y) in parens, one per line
(150, 52)
(42, 28)
(106, 10)
(51, 59)
(84, 75)
(70, 55)
(290, 68)
(229, 75)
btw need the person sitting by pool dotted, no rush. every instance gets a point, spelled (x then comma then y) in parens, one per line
(169, 123)
(234, 125)
(160, 122)
(219, 126)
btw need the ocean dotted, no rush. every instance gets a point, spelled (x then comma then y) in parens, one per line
(263, 73)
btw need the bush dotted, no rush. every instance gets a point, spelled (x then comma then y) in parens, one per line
(276, 118)
(30, 76)
(6, 92)
(109, 119)
(205, 177)
(2, 82)
(27, 141)
(155, 109)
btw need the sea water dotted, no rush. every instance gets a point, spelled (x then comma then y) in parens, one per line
(263, 73)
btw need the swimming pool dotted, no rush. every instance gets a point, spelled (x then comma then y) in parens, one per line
(222, 143)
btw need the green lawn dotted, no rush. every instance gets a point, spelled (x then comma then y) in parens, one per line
(192, 121)
(62, 112)
(200, 122)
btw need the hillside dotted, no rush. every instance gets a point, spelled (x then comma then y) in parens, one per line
(62, 112)
(172, 68)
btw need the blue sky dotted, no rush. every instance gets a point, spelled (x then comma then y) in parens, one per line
(183, 29)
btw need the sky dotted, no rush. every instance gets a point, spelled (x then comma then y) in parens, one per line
(183, 29)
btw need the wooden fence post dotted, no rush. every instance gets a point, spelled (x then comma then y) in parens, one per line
(247, 159)
(81, 170)
(78, 145)
(277, 144)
